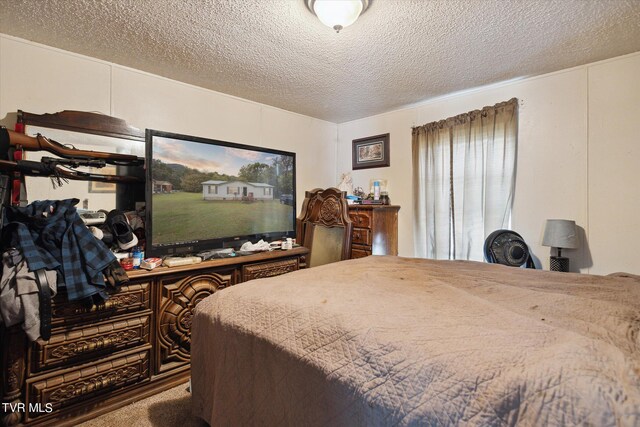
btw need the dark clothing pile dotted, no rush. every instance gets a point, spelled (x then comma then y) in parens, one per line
(52, 236)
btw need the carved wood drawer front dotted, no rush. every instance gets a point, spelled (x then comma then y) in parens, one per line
(180, 295)
(360, 252)
(68, 346)
(269, 269)
(360, 219)
(106, 376)
(361, 236)
(131, 297)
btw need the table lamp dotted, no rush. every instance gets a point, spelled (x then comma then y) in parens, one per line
(560, 234)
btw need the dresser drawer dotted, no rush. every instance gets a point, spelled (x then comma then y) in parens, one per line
(269, 269)
(360, 252)
(360, 218)
(361, 236)
(78, 384)
(130, 298)
(68, 346)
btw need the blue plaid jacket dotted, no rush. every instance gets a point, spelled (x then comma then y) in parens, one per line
(52, 236)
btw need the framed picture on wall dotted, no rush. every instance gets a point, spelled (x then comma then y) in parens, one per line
(103, 187)
(371, 152)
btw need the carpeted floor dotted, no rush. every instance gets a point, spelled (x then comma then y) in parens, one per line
(170, 408)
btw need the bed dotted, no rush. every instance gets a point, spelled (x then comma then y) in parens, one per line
(387, 340)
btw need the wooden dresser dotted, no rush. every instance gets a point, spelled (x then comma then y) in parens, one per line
(375, 230)
(134, 345)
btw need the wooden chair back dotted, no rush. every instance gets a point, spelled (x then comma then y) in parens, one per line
(324, 227)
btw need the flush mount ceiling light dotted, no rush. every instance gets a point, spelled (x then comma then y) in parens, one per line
(337, 14)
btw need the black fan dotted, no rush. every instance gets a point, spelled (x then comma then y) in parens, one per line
(508, 248)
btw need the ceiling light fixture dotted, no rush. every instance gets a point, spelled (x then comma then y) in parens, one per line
(337, 14)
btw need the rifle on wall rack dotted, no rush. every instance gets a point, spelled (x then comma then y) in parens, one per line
(64, 169)
(9, 138)
(14, 144)
(60, 170)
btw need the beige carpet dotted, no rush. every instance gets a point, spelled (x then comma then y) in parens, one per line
(167, 409)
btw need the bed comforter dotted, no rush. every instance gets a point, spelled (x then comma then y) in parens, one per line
(384, 341)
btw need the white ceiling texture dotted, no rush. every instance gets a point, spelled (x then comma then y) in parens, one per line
(276, 52)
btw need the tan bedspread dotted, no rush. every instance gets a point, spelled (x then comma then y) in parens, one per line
(386, 341)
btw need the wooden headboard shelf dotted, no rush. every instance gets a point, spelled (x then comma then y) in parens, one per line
(84, 122)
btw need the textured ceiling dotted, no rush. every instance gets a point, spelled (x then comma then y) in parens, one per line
(276, 52)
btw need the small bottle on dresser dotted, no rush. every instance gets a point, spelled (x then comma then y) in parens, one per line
(137, 256)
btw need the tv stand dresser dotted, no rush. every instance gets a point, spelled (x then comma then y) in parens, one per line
(134, 345)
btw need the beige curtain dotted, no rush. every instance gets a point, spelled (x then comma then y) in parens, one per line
(463, 181)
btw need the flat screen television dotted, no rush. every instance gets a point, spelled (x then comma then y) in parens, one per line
(204, 194)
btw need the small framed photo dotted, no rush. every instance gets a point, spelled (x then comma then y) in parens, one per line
(371, 152)
(103, 187)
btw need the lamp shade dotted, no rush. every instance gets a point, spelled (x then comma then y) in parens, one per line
(560, 233)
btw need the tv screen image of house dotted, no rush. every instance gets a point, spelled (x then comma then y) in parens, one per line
(206, 194)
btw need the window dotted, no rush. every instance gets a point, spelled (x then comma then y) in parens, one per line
(463, 180)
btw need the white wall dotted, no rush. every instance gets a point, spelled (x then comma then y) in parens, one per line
(40, 79)
(614, 164)
(578, 158)
(578, 152)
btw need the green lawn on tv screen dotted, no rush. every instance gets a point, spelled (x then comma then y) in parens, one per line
(185, 217)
